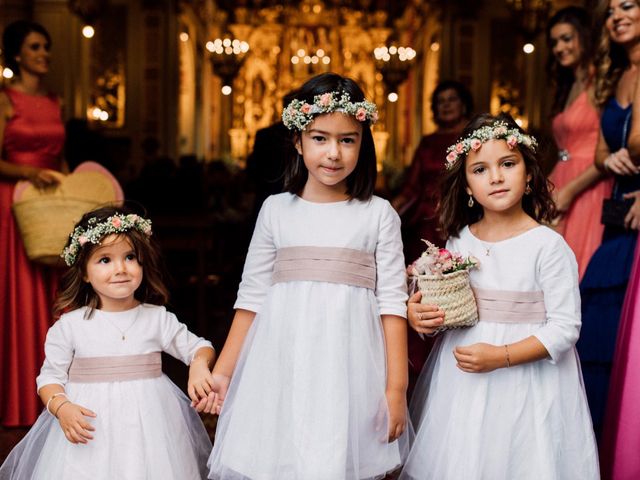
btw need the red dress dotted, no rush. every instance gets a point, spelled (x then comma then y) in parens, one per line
(33, 136)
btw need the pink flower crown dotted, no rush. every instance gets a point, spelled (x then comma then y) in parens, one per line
(96, 231)
(298, 114)
(497, 131)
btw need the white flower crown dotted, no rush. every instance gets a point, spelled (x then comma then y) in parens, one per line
(117, 223)
(298, 114)
(497, 131)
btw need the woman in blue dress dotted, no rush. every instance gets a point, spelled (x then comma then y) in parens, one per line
(605, 281)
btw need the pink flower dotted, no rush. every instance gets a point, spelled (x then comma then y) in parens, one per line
(444, 254)
(82, 240)
(306, 108)
(116, 222)
(447, 265)
(325, 99)
(374, 117)
(475, 144)
(361, 114)
(512, 141)
(459, 148)
(452, 157)
(501, 130)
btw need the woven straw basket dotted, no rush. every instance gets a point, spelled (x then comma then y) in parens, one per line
(46, 217)
(452, 293)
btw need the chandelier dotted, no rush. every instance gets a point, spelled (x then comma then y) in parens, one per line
(394, 63)
(227, 55)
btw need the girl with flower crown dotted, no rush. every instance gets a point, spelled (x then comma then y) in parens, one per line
(313, 374)
(503, 399)
(110, 412)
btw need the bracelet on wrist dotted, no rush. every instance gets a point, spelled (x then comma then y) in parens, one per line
(55, 414)
(506, 349)
(59, 394)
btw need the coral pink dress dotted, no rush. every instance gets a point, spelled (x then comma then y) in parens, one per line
(576, 131)
(33, 136)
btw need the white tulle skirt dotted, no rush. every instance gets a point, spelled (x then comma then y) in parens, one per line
(144, 429)
(528, 422)
(307, 399)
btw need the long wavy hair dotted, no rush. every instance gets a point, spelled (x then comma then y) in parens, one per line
(563, 77)
(361, 182)
(75, 292)
(453, 212)
(611, 59)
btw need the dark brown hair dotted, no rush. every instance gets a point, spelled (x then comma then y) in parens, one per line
(362, 181)
(563, 77)
(14, 36)
(461, 90)
(75, 292)
(453, 212)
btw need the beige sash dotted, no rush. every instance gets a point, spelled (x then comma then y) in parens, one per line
(325, 264)
(510, 307)
(115, 369)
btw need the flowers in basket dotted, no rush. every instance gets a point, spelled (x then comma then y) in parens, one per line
(443, 279)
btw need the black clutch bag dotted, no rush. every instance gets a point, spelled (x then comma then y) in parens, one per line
(614, 211)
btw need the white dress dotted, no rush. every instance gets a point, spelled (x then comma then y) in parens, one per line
(527, 422)
(307, 397)
(144, 429)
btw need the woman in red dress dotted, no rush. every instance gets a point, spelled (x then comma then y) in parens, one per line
(32, 138)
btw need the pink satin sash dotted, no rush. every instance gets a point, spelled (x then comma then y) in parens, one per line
(501, 306)
(325, 264)
(115, 369)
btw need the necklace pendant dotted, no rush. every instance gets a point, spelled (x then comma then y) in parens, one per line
(123, 337)
(488, 250)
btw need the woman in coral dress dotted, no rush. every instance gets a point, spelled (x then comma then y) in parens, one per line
(580, 187)
(32, 138)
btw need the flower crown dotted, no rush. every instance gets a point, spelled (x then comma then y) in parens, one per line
(118, 223)
(298, 114)
(497, 131)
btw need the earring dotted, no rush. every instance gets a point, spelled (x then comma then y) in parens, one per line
(527, 189)
(470, 202)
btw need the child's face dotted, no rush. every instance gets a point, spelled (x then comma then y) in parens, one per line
(114, 273)
(330, 147)
(496, 176)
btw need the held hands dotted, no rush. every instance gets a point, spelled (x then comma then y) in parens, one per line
(397, 405)
(73, 422)
(620, 163)
(480, 357)
(201, 386)
(222, 385)
(423, 318)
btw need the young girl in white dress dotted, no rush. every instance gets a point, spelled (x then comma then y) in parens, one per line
(315, 361)
(503, 399)
(110, 411)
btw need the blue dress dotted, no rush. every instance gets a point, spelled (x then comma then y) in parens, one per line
(605, 280)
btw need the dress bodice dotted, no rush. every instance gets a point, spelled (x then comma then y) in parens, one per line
(34, 135)
(616, 125)
(576, 128)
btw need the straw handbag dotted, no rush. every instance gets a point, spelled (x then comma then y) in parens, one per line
(46, 217)
(452, 293)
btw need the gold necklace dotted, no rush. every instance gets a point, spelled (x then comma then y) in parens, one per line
(123, 332)
(487, 250)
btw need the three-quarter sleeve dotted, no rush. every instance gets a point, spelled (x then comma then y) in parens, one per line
(177, 340)
(391, 282)
(558, 274)
(59, 351)
(258, 266)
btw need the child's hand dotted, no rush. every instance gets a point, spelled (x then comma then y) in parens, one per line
(200, 383)
(480, 357)
(423, 318)
(397, 405)
(221, 383)
(73, 423)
